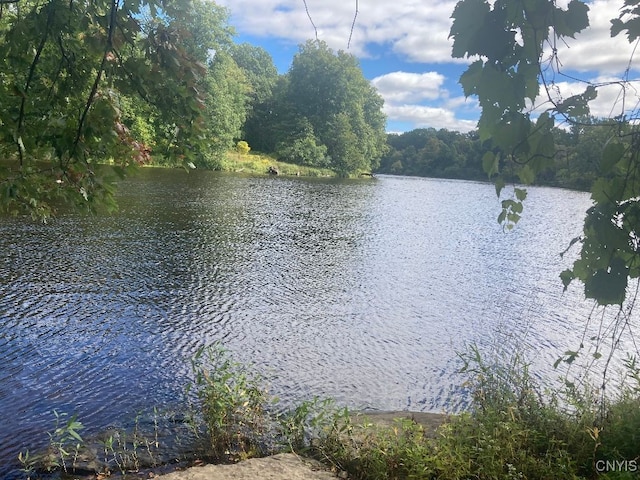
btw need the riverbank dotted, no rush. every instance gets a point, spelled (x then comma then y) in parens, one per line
(290, 466)
(256, 163)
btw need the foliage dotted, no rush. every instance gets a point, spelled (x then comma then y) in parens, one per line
(242, 147)
(226, 90)
(512, 42)
(65, 444)
(449, 154)
(232, 404)
(514, 430)
(323, 112)
(304, 151)
(369, 451)
(67, 72)
(64, 441)
(262, 77)
(313, 426)
(258, 164)
(111, 83)
(434, 153)
(329, 90)
(119, 450)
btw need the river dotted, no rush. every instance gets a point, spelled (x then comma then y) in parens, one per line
(361, 290)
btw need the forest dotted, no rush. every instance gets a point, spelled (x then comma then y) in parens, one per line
(162, 83)
(428, 152)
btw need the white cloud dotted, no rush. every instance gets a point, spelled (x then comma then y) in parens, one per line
(421, 100)
(594, 49)
(424, 116)
(399, 87)
(416, 30)
(614, 98)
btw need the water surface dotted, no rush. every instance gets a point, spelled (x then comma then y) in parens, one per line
(362, 290)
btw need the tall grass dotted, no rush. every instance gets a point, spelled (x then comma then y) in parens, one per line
(515, 429)
(255, 163)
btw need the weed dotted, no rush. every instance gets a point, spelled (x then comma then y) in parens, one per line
(121, 450)
(64, 442)
(313, 425)
(232, 404)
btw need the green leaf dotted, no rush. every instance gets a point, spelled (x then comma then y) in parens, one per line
(571, 356)
(529, 76)
(468, 17)
(75, 435)
(571, 21)
(616, 26)
(521, 193)
(608, 286)
(578, 105)
(471, 77)
(612, 154)
(567, 276)
(526, 174)
(490, 163)
(499, 184)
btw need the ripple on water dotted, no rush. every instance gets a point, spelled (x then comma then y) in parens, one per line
(360, 290)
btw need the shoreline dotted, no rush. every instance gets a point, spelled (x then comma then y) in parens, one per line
(186, 462)
(291, 466)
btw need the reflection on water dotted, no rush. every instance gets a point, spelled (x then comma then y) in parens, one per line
(360, 290)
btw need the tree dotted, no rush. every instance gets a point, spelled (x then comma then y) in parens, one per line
(345, 111)
(512, 41)
(434, 153)
(70, 73)
(242, 147)
(262, 76)
(226, 108)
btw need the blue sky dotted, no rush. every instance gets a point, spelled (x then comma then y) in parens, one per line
(404, 50)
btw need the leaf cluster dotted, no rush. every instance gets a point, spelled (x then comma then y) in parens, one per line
(507, 79)
(76, 80)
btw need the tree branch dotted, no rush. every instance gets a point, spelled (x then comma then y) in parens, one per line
(32, 70)
(96, 83)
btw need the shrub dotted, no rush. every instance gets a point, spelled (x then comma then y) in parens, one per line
(242, 147)
(232, 404)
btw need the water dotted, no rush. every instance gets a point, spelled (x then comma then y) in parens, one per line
(359, 290)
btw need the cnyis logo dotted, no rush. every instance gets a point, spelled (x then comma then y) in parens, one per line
(604, 466)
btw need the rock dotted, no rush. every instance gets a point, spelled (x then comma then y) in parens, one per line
(272, 170)
(284, 466)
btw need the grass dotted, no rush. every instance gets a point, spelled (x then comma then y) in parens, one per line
(256, 163)
(514, 430)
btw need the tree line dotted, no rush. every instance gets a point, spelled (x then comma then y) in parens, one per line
(84, 84)
(576, 162)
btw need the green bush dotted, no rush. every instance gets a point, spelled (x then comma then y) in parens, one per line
(514, 430)
(232, 404)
